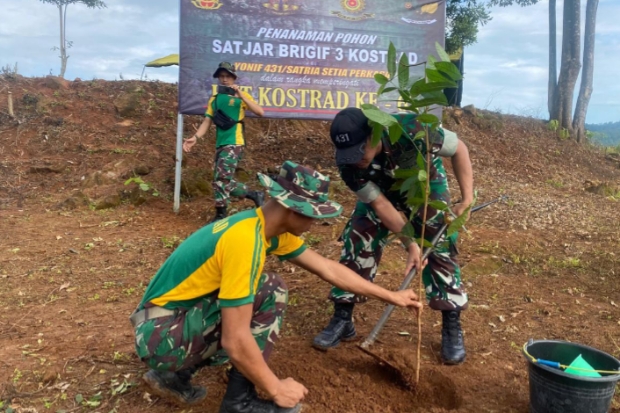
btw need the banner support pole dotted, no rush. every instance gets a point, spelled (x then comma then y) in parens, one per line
(178, 163)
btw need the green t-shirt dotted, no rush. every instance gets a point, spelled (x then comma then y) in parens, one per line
(233, 107)
(226, 256)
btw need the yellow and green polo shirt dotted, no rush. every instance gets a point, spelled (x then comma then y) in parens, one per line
(226, 257)
(233, 107)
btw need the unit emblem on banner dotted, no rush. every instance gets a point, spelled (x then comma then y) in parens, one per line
(281, 6)
(207, 4)
(427, 9)
(354, 9)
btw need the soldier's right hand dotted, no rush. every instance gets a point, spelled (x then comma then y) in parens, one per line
(406, 298)
(189, 143)
(289, 393)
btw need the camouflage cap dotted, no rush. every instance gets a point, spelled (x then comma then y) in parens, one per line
(303, 190)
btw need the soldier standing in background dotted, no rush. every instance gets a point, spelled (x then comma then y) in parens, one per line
(226, 109)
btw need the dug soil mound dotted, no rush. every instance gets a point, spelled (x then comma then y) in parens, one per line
(86, 196)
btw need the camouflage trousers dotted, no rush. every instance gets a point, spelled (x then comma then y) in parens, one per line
(365, 236)
(224, 185)
(192, 336)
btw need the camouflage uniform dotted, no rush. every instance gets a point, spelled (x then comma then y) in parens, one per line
(192, 336)
(224, 185)
(365, 236)
(229, 144)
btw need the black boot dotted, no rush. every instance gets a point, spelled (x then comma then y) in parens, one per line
(220, 213)
(175, 386)
(241, 397)
(340, 328)
(452, 344)
(257, 196)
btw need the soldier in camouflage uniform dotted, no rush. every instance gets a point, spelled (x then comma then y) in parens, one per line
(211, 301)
(229, 141)
(369, 172)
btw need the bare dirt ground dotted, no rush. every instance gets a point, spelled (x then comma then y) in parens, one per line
(543, 265)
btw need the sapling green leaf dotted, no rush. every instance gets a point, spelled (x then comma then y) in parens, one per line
(408, 183)
(422, 103)
(375, 114)
(416, 87)
(386, 90)
(436, 86)
(381, 79)
(430, 62)
(377, 133)
(404, 173)
(449, 69)
(422, 175)
(395, 131)
(427, 118)
(391, 60)
(443, 55)
(403, 71)
(438, 205)
(433, 75)
(458, 222)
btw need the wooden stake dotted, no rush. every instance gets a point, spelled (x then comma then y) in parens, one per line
(421, 289)
(11, 105)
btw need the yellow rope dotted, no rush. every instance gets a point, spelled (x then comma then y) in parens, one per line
(564, 366)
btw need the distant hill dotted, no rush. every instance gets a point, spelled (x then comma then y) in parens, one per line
(606, 134)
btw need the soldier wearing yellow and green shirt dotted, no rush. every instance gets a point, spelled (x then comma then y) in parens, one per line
(227, 112)
(212, 301)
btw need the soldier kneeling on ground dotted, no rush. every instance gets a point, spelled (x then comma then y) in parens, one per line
(211, 302)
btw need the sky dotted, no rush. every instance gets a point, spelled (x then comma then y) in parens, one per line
(505, 71)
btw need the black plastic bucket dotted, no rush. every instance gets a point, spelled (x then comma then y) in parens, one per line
(554, 391)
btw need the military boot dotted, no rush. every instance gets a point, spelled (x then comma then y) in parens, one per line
(257, 196)
(175, 386)
(340, 328)
(241, 397)
(220, 213)
(452, 344)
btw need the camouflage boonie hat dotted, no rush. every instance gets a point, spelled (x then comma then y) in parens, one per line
(227, 67)
(303, 190)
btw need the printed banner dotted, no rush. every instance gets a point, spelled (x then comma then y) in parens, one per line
(303, 59)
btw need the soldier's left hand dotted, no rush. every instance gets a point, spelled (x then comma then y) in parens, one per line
(413, 257)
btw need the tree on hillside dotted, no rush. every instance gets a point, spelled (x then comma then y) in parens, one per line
(463, 17)
(561, 89)
(570, 64)
(552, 87)
(62, 10)
(585, 91)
